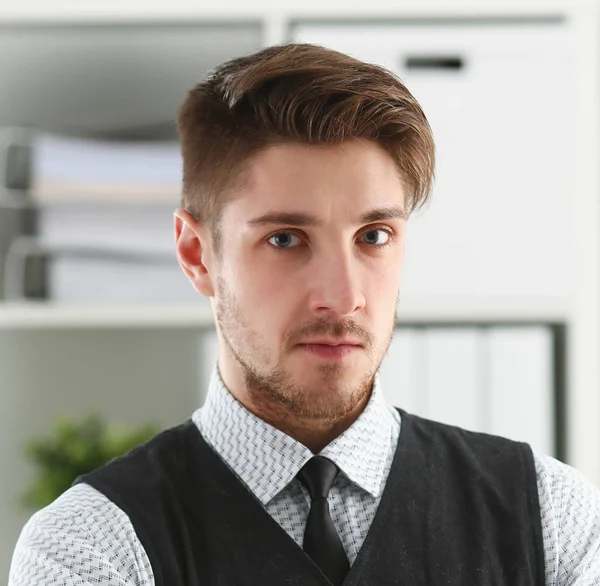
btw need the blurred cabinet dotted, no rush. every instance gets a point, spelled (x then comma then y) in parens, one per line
(499, 380)
(499, 99)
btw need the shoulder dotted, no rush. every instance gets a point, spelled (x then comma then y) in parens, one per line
(82, 533)
(481, 448)
(570, 512)
(141, 481)
(166, 451)
(567, 492)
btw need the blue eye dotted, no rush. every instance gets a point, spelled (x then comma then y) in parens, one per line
(371, 237)
(283, 240)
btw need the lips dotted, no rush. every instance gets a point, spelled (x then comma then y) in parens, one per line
(322, 342)
(329, 350)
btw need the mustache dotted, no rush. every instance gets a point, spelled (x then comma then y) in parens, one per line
(337, 329)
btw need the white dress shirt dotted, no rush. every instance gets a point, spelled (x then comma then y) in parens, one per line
(83, 538)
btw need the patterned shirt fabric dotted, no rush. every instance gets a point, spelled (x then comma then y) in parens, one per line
(267, 461)
(84, 539)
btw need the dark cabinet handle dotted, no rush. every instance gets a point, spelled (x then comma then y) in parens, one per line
(432, 62)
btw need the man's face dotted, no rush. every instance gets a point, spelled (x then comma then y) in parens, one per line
(312, 253)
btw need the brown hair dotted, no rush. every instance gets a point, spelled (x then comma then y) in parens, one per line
(295, 93)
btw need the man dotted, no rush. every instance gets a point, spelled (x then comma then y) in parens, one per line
(301, 168)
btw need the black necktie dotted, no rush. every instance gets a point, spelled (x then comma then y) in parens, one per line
(321, 540)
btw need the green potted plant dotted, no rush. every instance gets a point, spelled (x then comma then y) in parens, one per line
(76, 448)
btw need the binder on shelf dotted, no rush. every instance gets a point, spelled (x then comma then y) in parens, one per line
(68, 273)
(521, 404)
(66, 168)
(399, 371)
(452, 382)
(15, 158)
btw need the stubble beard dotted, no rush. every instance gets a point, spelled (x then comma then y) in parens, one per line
(271, 390)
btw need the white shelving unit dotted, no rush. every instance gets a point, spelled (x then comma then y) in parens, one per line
(578, 309)
(43, 316)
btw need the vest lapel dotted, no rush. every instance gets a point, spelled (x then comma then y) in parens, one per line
(249, 543)
(440, 524)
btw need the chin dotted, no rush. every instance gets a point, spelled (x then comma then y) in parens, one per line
(322, 408)
(319, 398)
(334, 378)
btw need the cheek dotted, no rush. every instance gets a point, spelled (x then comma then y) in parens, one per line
(268, 286)
(382, 299)
(383, 281)
(264, 297)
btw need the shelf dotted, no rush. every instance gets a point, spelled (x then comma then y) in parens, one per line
(16, 316)
(27, 316)
(236, 10)
(505, 310)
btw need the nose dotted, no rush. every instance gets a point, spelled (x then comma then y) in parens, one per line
(337, 286)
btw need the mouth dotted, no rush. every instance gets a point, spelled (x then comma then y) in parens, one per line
(329, 351)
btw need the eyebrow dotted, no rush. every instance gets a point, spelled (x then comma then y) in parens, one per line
(302, 219)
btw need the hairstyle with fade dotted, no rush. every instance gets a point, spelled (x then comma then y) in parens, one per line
(299, 93)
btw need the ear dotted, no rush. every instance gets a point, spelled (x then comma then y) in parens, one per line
(193, 251)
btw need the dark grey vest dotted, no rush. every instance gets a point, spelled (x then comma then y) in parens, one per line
(459, 508)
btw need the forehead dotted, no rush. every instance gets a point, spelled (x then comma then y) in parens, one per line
(324, 180)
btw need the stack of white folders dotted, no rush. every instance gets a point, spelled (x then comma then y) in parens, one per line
(106, 220)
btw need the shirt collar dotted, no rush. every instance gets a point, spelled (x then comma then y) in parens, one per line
(267, 460)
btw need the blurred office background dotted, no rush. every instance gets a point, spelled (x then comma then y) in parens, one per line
(498, 327)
